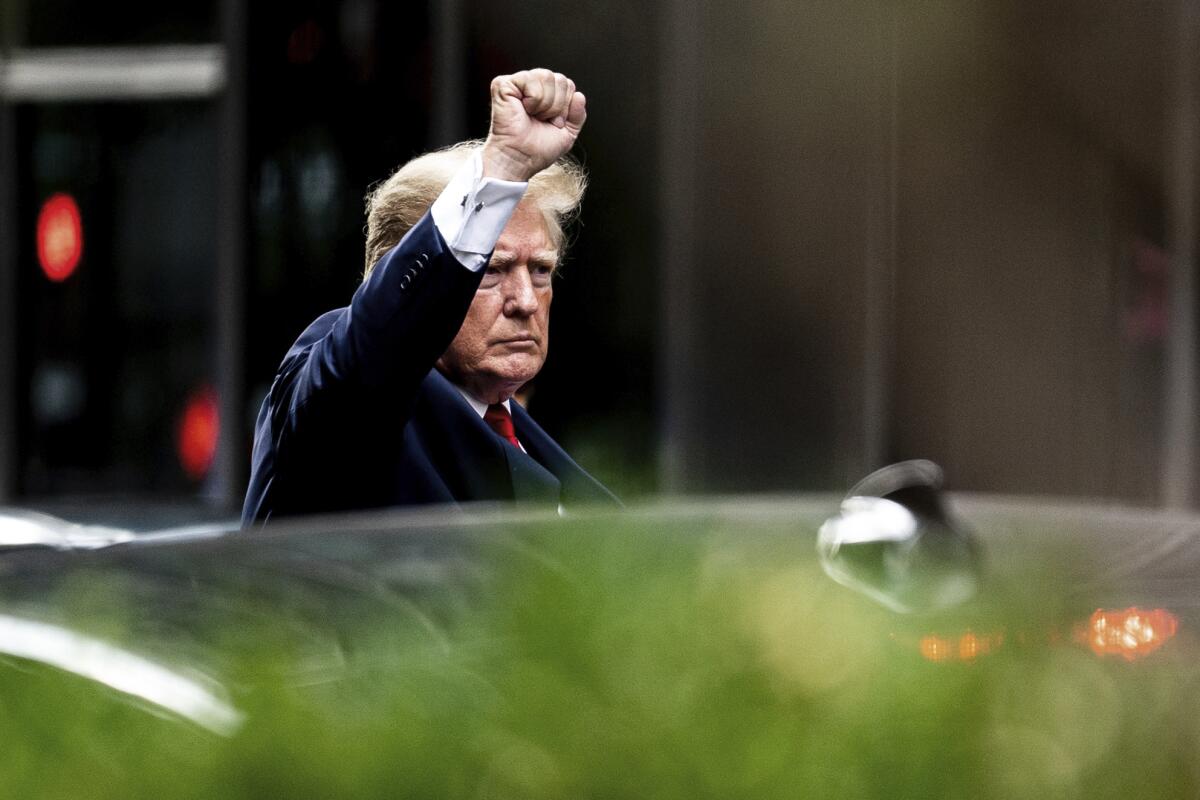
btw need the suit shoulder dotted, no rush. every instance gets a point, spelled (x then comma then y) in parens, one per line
(316, 330)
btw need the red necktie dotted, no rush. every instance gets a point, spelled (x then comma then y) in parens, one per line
(498, 417)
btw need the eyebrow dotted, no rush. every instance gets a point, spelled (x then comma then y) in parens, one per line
(542, 258)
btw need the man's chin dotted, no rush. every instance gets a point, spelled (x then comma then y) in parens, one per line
(515, 370)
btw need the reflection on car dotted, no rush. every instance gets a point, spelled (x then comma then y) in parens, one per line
(699, 648)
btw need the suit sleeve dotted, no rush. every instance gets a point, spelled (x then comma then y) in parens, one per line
(345, 389)
(397, 325)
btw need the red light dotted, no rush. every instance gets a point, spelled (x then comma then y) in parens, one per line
(1131, 633)
(198, 431)
(59, 237)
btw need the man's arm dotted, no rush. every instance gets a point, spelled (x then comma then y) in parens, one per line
(472, 211)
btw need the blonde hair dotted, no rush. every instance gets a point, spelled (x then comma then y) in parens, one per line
(398, 203)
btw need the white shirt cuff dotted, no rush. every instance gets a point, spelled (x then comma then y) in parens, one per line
(471, 212)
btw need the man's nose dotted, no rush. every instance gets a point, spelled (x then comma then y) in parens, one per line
(520, 299)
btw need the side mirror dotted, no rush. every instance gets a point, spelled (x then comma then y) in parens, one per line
(894, 541)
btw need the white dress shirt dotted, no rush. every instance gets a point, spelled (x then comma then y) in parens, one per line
(472, 210)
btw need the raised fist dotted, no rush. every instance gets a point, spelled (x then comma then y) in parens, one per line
(536, 117)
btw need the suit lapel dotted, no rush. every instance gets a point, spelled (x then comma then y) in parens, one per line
(478, 464)
(465, 451)
(531, 482)
(577, 486)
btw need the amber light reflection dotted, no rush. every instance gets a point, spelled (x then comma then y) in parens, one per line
(966, 647)
(1131, 633)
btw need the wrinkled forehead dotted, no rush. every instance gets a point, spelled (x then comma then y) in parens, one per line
(526, 237)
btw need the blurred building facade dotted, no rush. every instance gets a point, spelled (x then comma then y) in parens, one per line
(957, 230)
(820, 236)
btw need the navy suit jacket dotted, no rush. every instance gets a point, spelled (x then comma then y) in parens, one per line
(357, 416)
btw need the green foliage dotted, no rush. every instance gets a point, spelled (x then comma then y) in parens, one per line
(616, 657)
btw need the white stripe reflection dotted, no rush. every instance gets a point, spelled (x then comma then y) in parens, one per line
(121, 670)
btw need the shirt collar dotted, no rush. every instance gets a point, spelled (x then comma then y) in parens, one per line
(479, 406)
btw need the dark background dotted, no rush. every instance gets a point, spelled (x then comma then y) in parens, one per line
(819, 236)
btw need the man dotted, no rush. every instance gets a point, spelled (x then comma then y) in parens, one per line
(404, 397)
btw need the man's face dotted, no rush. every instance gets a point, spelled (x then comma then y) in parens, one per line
(504, 339)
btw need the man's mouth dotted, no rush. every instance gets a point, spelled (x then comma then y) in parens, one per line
(519, 341)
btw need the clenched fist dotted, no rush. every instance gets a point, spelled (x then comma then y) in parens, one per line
(536, 117)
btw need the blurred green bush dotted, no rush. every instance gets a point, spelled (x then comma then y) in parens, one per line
(615, 657)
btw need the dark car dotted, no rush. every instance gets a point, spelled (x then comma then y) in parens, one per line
(696, 649)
